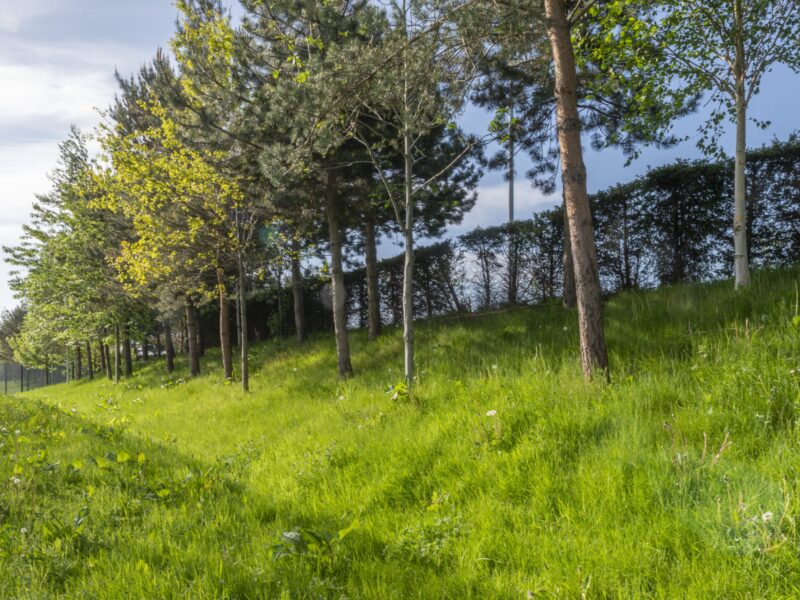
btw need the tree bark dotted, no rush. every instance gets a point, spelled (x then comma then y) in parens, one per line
(117, 356)
(373, 293)
(21, 378)
(408, 266)
(89, 365)
(170, 348)
(338, 291)
(107, 354)
(568, 298)
(587, 281)
(224, 327)
(191, 335)
(297, 293)
(243, 341)
(512, 238)
(101, 349)
(128, 355)
(78, 363)
(741, 266)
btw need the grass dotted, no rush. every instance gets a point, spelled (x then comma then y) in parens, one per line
(679, 479)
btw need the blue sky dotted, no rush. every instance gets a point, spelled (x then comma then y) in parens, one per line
(57, 61)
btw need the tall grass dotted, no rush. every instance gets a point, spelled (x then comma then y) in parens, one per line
(505, 476)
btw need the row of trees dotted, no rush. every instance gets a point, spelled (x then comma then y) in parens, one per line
(312, 129)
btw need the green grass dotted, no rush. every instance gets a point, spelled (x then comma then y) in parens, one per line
(679, 479)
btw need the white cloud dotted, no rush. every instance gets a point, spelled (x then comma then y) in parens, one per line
(15, 14)
(492, 205)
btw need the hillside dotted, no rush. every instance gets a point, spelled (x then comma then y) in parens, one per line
(506, 476)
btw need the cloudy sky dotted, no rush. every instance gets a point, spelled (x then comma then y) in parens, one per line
(57, 62)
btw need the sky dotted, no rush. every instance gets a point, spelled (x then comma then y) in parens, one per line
(57, 64)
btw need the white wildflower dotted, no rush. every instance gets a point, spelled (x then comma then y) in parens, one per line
(24, 530)
(491, 413)
(766, 517)
(16, 480)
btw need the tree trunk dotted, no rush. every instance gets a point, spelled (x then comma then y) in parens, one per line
(128, 355)
(78, 363)
(587, 281)
(568, 293)
(373, 293)
(46, 372)
(741, 267)
(170, 348)
(297, 293)
(408, 267)
(107, 353)
(191, 335)
(338, 291)
(21, 378)
(243, 341)
(512, 238)
(224, 327)
(101, 348)
(117, 355)
(89, 365)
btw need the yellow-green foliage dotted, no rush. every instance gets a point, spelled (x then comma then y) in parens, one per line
(506, 476)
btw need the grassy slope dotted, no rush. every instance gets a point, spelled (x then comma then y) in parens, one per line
(149, 489)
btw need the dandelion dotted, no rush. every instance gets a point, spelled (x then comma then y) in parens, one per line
(494, 367)
(17, 432)
(16, 480)
(766, 517)
(24, 530)
(491, 413)
(565, 328)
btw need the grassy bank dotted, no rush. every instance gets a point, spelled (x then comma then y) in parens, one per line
(505, 476)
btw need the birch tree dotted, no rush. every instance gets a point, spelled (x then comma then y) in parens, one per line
(724, 48)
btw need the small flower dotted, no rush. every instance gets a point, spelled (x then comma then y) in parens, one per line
(491, 413)
(17, 432)
(566, 328)
(766, 517)
(24, 530)
(494, 367)
(16, 480)
(73, 409)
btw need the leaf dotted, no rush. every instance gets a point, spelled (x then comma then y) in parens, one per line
(356, 524)
(123, 457)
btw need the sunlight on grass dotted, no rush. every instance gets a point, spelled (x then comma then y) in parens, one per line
(513, 477)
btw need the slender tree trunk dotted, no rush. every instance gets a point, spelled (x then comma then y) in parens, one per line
(512, 238)
(373, 292)
(89, 365)
(408, 267)
(339, 292)
(21, 378)
(46, 372)
(224, 327)
(128, 355)
(170, 348)
(587, 281)
(102, 352)
(741, 267)
(107, 354)
(117, 355)
(408, 226)
(78, 363)
(191, 335)
(568, 294)
(243, 341)
(297, 293)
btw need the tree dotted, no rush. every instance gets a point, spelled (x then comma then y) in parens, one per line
(418, 90)
(725, 47)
